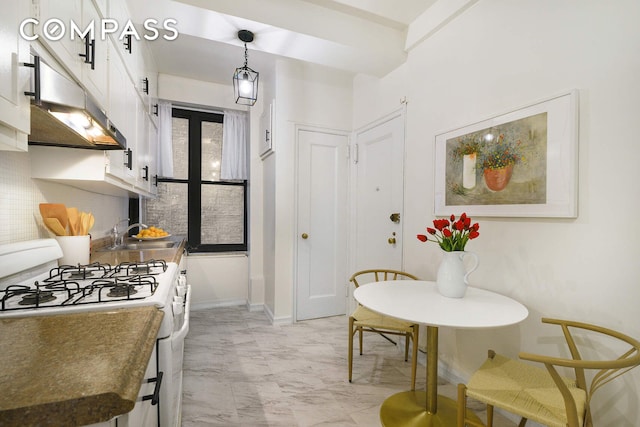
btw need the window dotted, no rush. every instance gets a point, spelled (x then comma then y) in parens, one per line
(194, 201)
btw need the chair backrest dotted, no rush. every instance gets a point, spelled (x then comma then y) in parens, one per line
(378, 274)
(607, 370)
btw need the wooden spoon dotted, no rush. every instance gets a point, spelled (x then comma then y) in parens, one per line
(54, 225)
(92, 220)
(55, 210)
(74, 219)
(85, 223)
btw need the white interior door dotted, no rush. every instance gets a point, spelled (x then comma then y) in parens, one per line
(321, 224)
(379, 196)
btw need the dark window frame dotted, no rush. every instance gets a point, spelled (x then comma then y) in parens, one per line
(195, 183)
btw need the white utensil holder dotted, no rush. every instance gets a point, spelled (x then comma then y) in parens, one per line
(75, 250)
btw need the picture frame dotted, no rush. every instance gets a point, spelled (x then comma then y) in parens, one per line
(523, 163)
(267, 120)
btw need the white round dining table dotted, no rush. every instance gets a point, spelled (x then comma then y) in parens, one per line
(419, 301)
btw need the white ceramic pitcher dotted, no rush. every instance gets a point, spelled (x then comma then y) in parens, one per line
(452, 279)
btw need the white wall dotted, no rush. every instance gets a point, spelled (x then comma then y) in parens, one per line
(223, 279)
(218, 280)
(20, 196)
(310, 95)
(496, 56)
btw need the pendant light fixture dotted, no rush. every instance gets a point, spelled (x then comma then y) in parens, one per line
(245, 80)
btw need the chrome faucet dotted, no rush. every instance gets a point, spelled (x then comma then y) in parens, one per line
(132, 226)
(117, 238)
(115, 234)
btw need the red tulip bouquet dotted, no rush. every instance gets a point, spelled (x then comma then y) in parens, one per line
(451, 235)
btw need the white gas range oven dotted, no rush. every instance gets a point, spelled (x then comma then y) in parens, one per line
(33, 284)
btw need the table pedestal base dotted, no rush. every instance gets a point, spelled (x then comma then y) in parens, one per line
(408, 409)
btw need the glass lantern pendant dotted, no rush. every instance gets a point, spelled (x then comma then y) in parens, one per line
(245, 80)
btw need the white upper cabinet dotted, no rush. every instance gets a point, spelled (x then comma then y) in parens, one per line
(85, 58)
(123, 107)
(129, 48)
(150, 87)
(54, 18)
(14, 78)
(94, 69)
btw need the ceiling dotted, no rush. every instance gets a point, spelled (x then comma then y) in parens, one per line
(356, 36)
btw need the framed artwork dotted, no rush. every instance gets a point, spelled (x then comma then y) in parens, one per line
(520, 164)
(267, 120)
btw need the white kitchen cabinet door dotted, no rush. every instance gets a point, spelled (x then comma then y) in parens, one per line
(153, 154)
(143, 179)
(122, 112)
(14, 79)
(94, 74)
(149, 158)
(91, 69)
(144, 414)
(65, 49)
(129, 50)
(149, 89)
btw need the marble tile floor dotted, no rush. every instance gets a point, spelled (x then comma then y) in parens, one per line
(241, 371)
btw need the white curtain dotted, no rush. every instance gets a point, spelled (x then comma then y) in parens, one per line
(165, 153)
(235, 138)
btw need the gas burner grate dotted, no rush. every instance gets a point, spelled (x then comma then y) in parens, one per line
(37, 295)
(122, 290)
(79, 272)
(144, 267)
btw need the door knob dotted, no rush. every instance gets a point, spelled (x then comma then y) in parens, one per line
(392, 239)
(304, 236)
(395, 217)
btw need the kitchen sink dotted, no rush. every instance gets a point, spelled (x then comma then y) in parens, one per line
(141, 245)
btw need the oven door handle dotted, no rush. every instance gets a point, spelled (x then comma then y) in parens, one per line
(155, 397)
(178, 336)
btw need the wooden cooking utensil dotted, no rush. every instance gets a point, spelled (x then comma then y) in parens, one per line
(92, 220)
(55, 210)
(85, 223)
(74, 219)
(54, 225)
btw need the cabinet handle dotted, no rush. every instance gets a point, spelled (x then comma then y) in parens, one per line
(155, 109)
(266, 136)
(129, 159)
(146, 173)
(89, 54)
(155, 397)
(155, 180)
(36, 79)
(145, 85)
(127, 43)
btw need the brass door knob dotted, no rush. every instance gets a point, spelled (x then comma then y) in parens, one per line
(392, 240)
(304, 236)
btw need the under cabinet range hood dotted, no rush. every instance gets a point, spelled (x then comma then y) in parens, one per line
(63, 114)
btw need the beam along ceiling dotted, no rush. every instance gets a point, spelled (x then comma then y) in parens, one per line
(356, 36)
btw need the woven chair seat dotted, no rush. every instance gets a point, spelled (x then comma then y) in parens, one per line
(367, 318)
(524, 389)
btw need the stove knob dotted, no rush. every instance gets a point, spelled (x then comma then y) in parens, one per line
(181, 290)
(178, 305)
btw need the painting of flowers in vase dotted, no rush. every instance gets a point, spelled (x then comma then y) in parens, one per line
(502, 164)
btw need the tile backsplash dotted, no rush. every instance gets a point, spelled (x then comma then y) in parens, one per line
(20, 196)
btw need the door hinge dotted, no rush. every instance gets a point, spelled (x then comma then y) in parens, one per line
(355, 154)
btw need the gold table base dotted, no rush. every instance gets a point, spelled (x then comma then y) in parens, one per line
(408, 409)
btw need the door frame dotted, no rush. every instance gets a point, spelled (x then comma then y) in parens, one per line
(300, 127)
(353, 174)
